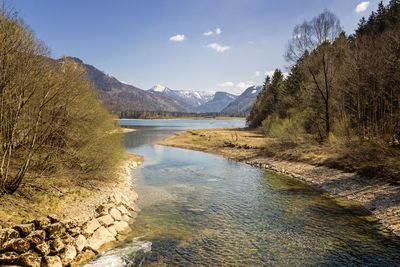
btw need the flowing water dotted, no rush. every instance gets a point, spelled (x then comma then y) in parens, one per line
(199, 209)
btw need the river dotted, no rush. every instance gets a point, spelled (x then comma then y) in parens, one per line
(199, 209)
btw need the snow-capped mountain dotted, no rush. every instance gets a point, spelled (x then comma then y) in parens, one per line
(241, 106)
(218, 103)
(191, 98)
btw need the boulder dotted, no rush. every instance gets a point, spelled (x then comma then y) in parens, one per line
(68, 224)
(67, 239)
(83, 258)
(101, 210)
(105, 220)
(24, 229)
(17, 245)
(116, 199)
(30, 259)
(43, 249)
(100, 238)
(112, 230)
(116, 214)
(52, 261)
(53, 218)
(56, 245)
(54, 230)
(80, 242)
(127, 219)
(74, 231)
(123, 210)
(8, 258)
(6, 234)
(68, 254)
(36, 237)
(40, 222)
(89, 227)
(122, 227)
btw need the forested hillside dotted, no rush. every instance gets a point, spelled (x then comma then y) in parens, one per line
(340, 88)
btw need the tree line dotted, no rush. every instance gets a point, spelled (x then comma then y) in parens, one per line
(339, 86)
(50, 119)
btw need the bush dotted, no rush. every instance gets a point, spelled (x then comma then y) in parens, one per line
(287, 130)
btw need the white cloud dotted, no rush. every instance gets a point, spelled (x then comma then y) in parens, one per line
(217, 31)
(361, 7)
(219, 48)
(244, 85)
(257, 73)
(178, 38)
(226, 84)
(236, 88)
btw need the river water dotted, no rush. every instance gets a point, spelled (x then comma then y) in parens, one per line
(199, 209)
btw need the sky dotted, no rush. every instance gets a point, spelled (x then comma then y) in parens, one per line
(218, 45)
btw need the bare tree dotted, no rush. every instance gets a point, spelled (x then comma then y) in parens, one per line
(311, 45)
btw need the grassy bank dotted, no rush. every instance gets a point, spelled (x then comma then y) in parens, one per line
(367, 175)
(65, 196)
(372, 161)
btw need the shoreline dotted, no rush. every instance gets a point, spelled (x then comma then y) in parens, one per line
(84, 228)
(381, 198)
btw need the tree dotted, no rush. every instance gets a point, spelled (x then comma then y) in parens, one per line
(315, 38)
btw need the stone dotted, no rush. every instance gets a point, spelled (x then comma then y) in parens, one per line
(43, 249)
(123, 210)
(101, 209)
(24, 229)
(105, 220)
(100, 238)
(67, 239)
(68, 254)
(53, 218)
(80, 242)
(52, 261)
(122, 227)
(90, 226)
(112, 230)
(30, 259)
(116, 214)
(74, 231)
(8, 258)
(36, 237)
(40, 222)
(56, 245)
(17, 245)
(54, 230)
(83, 258)
(6, 234)
(68, 224)
(116, 198)
(127, 219)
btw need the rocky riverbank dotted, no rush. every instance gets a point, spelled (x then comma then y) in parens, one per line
(378, 195)
(79, 235)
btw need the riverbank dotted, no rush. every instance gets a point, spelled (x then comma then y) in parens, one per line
(343, 177)
(62, 224)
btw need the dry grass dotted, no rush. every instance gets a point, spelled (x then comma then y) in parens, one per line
(370, 160)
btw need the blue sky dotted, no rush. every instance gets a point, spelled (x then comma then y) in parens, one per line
(148, 42)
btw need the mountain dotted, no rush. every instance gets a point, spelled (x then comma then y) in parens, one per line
(218, 103)
(118, 96)
(241, 106)
(193, 99)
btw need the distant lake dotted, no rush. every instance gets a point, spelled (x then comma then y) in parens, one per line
(199, 209)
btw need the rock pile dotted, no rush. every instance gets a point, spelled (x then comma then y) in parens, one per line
(55, 243)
